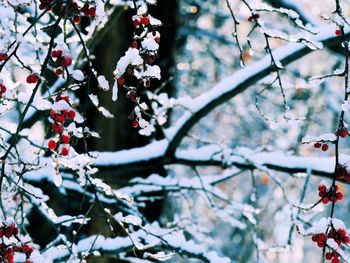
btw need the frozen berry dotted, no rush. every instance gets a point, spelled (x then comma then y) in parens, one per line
(32, 78)
(339, 196)
(56, 53)
(66, 61)
(65, 138)
(317, 145)
(52, 145)
(135, 124)
(325, 200)
(76, 19)
(145, 20)
(64, 151)
(60, 118)
(3, 56)
(58, 72)
(328, 256)
(121, 81)
(325, 147)
(343, 133)
(27, 249)
(71, 114)
(57, 128)
(134, 44)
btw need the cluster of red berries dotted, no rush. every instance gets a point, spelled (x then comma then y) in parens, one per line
(340, 236)
(3, 56)
(333, 256)
(140, 20)
(320, 239)
(329, 195)
(75, 12)
(63, 139)
(149, 58)
(7, 251)
(89, 11)
(323, 146)
(8, 231)
(2, 89)
(62, 61)
(72, 8)
(253, 17)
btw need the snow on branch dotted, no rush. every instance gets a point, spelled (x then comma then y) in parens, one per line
(230, 86)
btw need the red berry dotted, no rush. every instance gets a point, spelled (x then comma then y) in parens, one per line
(322, 237)
(58, 72)
(339, 196)
(52, 145)
(341, 232)
(320, 244)
(325, 200)
(314, 238)
(256, 16)
(32, 78)
(338, 32)
(3, 56)
(92, 11)
(250, 19)
(322, 188)
(317, 145)
(60, 118)
(121, 81)
(136, 23)
(328, 256)
(65, 113)
(64, 151)
(134, 44)
(14, 229)
(52, 114)
(71, 114)
(76, 19)
(335, 260)
(2, 88)
(135, 124)
(343, 133)
(346, 239)
(325, 147)
(27, 249)
(66, 98)
(57, 128)
(8, 232)
(145, 20)
(66, 61)
(56, 53)
(65, 139)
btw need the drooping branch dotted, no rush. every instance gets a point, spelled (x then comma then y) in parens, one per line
(233, 85)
